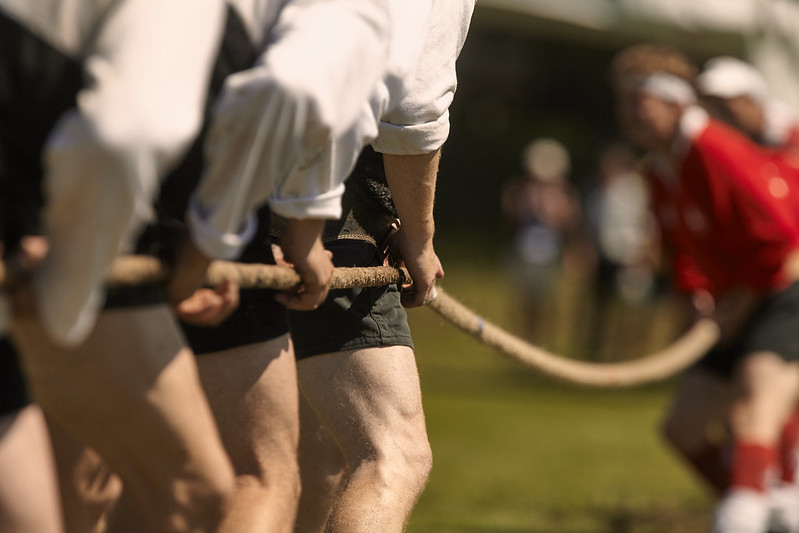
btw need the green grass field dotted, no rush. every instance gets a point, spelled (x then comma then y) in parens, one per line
(514, 452)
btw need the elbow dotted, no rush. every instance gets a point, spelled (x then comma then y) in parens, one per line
(156, 138)
(313, 107)
(129, 158)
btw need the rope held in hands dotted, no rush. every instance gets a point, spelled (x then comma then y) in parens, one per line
(134, 270)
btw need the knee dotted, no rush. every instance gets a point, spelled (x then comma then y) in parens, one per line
(422, 463)
(286, 484)
(401, 466)
(280, 477)
(200, 504)
(283, 479)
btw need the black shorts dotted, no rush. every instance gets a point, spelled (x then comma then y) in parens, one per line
(352, 318)
(773, 327)
(259, 317)
(13, 393)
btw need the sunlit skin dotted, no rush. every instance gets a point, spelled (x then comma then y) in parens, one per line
(646, 121)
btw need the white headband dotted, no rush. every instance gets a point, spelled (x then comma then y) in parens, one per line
(667, 87)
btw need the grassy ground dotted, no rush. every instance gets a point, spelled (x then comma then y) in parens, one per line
(516, 453)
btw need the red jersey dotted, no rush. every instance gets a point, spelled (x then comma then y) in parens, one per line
(727, 209)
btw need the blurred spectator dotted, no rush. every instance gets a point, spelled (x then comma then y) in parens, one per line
(617, 211)
(543, 210)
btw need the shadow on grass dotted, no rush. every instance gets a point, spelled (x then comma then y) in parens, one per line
(621, 520)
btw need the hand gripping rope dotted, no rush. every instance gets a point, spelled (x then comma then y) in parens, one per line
(134, 270)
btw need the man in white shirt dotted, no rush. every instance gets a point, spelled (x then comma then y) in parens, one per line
(364, 453)
(91, 152)
(252, 385)
(312, 65)
(310, 92)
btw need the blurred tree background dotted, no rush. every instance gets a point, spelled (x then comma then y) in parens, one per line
(513, 451)
(535, 68)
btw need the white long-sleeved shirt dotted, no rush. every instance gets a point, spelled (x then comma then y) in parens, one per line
(273, 123)
(331, 73)
(408, 110)
(147, 65)
(416, 120)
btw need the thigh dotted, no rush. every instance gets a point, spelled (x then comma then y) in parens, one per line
(320, 457)
(767, 388)
(132, 393)
(252, 391)
(28, 485)
(87, 485)
(366, 398)
(322, 470)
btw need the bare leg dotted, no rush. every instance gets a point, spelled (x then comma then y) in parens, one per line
(28, 486)
(323, 471)
(696, 425)
(768, 388)
(253, 394)
(88, 487)
(132, 393)
(370, 401)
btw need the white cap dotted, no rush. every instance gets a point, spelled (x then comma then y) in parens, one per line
(728, 77)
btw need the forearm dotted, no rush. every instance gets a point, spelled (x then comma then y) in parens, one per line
(301, 237)
(302, 246)
(412, 180)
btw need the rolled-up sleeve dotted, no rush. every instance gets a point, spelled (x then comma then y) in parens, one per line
(420, 123)
(275, 126)
(147, 72)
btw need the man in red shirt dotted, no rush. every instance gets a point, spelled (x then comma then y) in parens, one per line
(725, 211)
(736, 92)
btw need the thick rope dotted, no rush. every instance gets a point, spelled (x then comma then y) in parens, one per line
(139, 269)
(683, 352)
(655, 367)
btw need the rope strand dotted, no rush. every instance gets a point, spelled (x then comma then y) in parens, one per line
(134, 270)
(655, 367)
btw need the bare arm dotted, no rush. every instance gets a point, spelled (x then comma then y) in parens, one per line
(303, 249)
(412, 180)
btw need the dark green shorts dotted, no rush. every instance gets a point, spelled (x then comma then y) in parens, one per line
(352, 318)
(773, 327)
